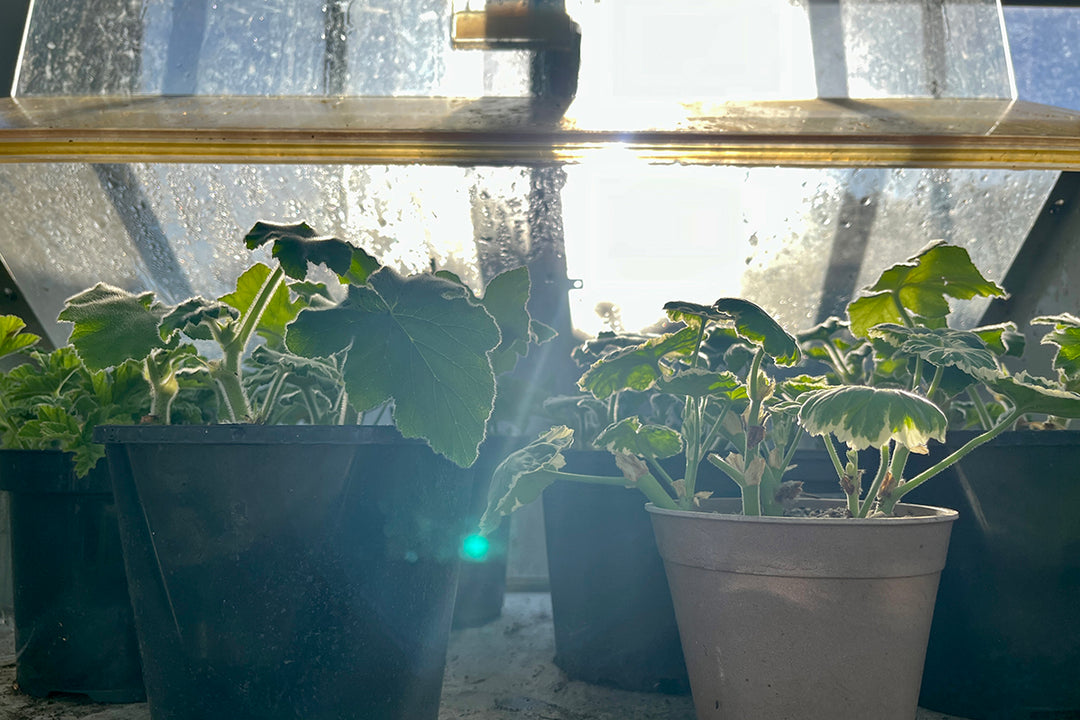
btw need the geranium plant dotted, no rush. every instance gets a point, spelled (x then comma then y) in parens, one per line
(721, 410)
(52, 401)
(421, 349)
(899, 344)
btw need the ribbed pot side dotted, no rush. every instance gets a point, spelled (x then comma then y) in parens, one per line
(803, 618)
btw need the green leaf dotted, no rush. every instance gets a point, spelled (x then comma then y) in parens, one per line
(1066, 337)
(192, 317)
(870, 311)
(1037, 395)
(962, 349)
(540, 333)
(1003, 339)
(638, 367)
(869, 417)
(297, 245)
(698, 382)
(757, 326)
(505, 298)
(649, 441)
(279, 311)
(418, 341)
(823, 332)
(693, 314)
(801, 384)
(920, 288)
(113, 325)
(521, 477)
(12, 338)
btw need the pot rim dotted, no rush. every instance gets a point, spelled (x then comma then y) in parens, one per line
(916, 514)
(250, 434)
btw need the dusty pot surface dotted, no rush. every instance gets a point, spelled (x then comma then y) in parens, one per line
(803, 618)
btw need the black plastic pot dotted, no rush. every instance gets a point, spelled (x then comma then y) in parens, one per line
(482, 583)
(289, 572)
(1005, 642)
(611, 609)
(74, 630)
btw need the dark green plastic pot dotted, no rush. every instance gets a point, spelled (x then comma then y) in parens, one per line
(74, 630)
(289, 572)
(482, 582)
(611, 608)
(1005, 642)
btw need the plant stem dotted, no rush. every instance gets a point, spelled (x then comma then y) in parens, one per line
(163, 385)
(838, 363)
(831, 449)
(692, 422)
(980, 408)
(754, 387)
(899, 462)
(904, 317)
(728, 469)
(916, 375)
(273, 392)
(751, 500)
(661, 473)
(888, 504)
(647, 484)
(875, 486)
(231, 391)
(935, 382)
(343, 406)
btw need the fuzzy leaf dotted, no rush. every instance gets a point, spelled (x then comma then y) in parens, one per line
(757, 326)
(296, 245)
(650, 441)
(113, 325)
(869, 417)
(418, 341)
(922, 286)
(12, 337)
(521, 477)
(191, 317)
(636, 368)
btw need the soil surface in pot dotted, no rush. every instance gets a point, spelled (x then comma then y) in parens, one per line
(502, 671)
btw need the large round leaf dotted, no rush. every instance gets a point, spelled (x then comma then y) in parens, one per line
(869, 417)
(418, 341)
(113, 325)
(754, 324)
(921, 286)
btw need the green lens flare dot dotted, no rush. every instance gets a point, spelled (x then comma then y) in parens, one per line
(475, 548)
